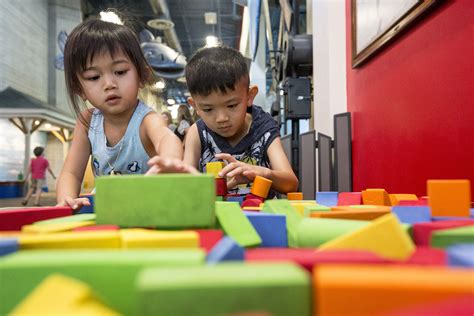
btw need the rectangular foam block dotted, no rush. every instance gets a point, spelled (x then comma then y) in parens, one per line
(419, 202)
(8, 246)
(146, 238)
(395, 199)
(225, 289)
(54, 228)
(300, 206)
(349, 198)
(381, 290)
(316, 208)
(293, 218)
(14, 219)
(270, 227)
(447, 237)
(235, 198)
(236, 225)
(163, 201)
(110, 273)
(412, 214)
(209, 237)
(426, 256)
(71, 240)
(328, 198)
(422, 231)
(61, 295)
(375, 197)
(225, 250)
(96, 227)
(461, 255)
(68, 219)
(449, 197)
(87, 209)
(351, 213)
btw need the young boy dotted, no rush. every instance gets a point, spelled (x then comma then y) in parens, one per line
(231, 127)
(38, 167)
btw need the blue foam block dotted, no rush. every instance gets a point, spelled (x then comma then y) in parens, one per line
(8, 245)
(449, 218)
(239, 199)
(225, 250)
(461, 255)
(472, 212)
(270, 227)
(328, 198)
(412, 214)
(87, 209)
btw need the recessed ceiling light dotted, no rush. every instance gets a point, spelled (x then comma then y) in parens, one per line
(160, 24)
(210, 17)
(211, 41)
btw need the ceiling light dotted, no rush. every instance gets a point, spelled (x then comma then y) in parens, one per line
(160, 24)
(47, 125)
(37, 122)
(210, 17)
(109, 16)
(171, 101)
(211, 41)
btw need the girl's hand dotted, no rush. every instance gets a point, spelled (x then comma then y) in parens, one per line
(76, 204)
(237, 172)
(169, 165)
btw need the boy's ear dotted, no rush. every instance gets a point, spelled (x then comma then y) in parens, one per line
(253, 90)
(192, 103)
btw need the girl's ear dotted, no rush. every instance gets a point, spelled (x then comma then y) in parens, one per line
(253, 90)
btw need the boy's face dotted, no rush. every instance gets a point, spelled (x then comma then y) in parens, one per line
(225, 113)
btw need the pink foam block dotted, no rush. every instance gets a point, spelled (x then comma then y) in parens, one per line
(209, 237)
(413, 203)
(428, 256)
(14, 219)
(422, 231)
(96, 227)
(251, 202)
(349, 198)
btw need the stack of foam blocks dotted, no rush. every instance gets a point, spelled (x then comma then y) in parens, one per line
(180, 245)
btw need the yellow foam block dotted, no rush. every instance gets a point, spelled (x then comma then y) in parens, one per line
(252, 208)
(144, 238)
(65, 240)
(54, 228)
(300, 206)
(383, 236)
(396, 198)
(60, 295)
(449, 197)
(384, 289)
(375, 197)
(214, 167)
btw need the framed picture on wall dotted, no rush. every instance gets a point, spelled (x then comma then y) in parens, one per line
(376, 22)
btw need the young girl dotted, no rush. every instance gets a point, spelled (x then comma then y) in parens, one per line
(185, 120)
(104, 64)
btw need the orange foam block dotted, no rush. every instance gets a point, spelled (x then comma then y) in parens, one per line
(449, 197)
(261, 186)
(354, 213)
(375, 197)
(294, 196)
(378, 290)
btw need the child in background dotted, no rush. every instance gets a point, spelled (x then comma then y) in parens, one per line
(185, 120)
(104, 64)
(231, 128)
(166, 115)
(37, 169)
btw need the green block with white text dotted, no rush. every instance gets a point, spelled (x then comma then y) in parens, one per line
(162, 201)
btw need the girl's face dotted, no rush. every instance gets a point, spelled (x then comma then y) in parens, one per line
(110, 84)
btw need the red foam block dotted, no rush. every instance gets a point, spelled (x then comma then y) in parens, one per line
(96, 227)
(14, 219)
(251, 202)
(221, 187)
(349, 198)
(422, 231)
(209, 237)
(413, 203)
(427, 256)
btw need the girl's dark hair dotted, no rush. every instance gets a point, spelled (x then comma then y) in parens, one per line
(38, 151)
(215, 69)
(184, 114)
(93, 37)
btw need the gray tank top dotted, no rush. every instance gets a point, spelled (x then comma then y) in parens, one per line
(128, 156)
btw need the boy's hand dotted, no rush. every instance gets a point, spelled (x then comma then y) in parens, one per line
(237, 172)
(169, 165)
(76, 204)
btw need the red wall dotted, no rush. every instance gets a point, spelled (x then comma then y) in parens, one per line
(412, 104)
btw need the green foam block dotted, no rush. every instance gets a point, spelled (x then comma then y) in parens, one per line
(68, 219)
(110, 273)
(293, 218)
(162, 201)
(226, 289)
(313, 232)
(317, 208)
(447, 237)
(235, 224)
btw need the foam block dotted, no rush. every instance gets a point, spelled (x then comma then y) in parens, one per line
(270, 227)
(236, 225)
(378, 290)
(307, 258)
(261, 186)
(447, 237)
(252, 208)
(8, 246)
(95, 227)
(426, 256)
(422, 231)
(349, 198)
(384, 236)
(461, 255)
(87, 209)
(68, 219)
(164, 201)
(209, 237)
(225, 289)
(449, 197)
(300, 206)
(251, 203)
(61, 295)
(71, 240)
(412, 214)
(413, 203)
(313, 232)
(458, 305)
(214, 167)
(110, 273)
(351, 213)
(54, 228)
(294, 196)
(293, 219)
(146, 238)
(375, 197)
(395, 199)
(316, 208)
(14, 219)
(328, 198)
(235, 198)
(225, 250)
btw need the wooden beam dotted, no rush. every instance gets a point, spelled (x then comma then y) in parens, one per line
(20, 127)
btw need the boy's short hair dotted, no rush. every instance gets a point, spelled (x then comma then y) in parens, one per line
(215, 69)
(38, 151)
